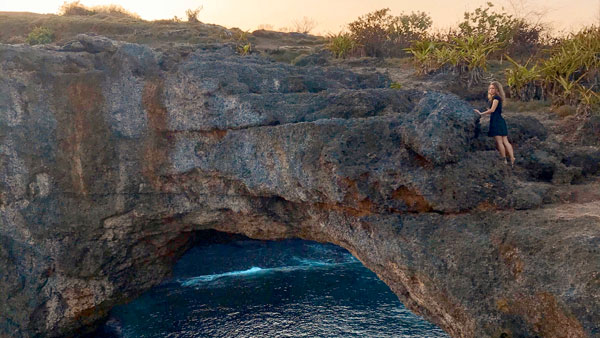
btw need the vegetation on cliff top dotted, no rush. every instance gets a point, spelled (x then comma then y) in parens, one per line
(117, 23)
(563, 69)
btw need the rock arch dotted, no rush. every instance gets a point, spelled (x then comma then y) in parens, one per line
(110, 160)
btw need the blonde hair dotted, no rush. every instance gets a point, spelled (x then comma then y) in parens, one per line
(499, 90)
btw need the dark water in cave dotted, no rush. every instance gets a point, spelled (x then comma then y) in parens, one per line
(249, 288)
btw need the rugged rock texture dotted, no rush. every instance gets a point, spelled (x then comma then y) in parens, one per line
(114, 157)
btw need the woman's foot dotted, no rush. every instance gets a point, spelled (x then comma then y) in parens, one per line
(512, 162)
(504, 160)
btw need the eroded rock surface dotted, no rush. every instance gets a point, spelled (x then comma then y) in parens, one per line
(113, 156)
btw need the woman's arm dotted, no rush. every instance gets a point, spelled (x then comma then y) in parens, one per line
(491, 110)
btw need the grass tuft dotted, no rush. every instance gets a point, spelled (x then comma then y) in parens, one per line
(341, 44)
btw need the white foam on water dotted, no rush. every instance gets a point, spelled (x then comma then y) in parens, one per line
(255, 270)
(207, 278)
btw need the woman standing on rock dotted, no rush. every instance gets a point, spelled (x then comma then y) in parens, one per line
(498, 129)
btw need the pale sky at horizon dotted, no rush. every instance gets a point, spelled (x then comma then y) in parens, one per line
(330, 16)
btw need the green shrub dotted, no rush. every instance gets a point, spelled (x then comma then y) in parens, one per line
(381, 34)
(40, 36)
(471, 54)
(466, 56)
(483, 21)
(244, 49)
(525, 38)
(516, 36)
(447, 56)
(589, 100)
(243, 46)
(525, 84)
(571, 72)
(405, 28)
(370, 32)
(341, 44)
(423, 55)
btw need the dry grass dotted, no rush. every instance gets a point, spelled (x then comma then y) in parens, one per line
(76, 8)
(399, 62)
(530, 106)
(564, 110)
(14, 27)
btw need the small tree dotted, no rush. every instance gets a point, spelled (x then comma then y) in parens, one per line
(192, 14)
(408, 27)
(517, 35)
(370, 31)
(483, 21)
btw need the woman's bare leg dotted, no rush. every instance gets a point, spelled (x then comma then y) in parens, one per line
(509, 148)
(500, 146)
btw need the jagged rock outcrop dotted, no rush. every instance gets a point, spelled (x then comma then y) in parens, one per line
(114, 157)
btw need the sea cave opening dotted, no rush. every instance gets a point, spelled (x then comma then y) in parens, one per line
(229, 285)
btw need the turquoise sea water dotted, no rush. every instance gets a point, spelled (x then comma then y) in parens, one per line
(249, 288)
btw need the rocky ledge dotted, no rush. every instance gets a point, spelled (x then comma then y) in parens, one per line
(116, 158)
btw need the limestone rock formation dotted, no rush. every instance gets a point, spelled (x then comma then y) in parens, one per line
(115, 158)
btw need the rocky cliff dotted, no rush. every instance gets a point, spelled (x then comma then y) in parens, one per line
(115, 158)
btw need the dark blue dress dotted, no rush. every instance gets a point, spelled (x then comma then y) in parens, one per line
(497, 123)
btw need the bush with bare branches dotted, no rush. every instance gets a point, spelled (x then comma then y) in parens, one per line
(192, 14)
(305, 25)
(74, 8)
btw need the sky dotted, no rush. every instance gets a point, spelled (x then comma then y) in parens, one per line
(330, 16)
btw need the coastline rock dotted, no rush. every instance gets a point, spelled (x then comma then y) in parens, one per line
(117, 159)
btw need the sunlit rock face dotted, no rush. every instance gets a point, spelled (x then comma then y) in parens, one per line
(113, 156)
